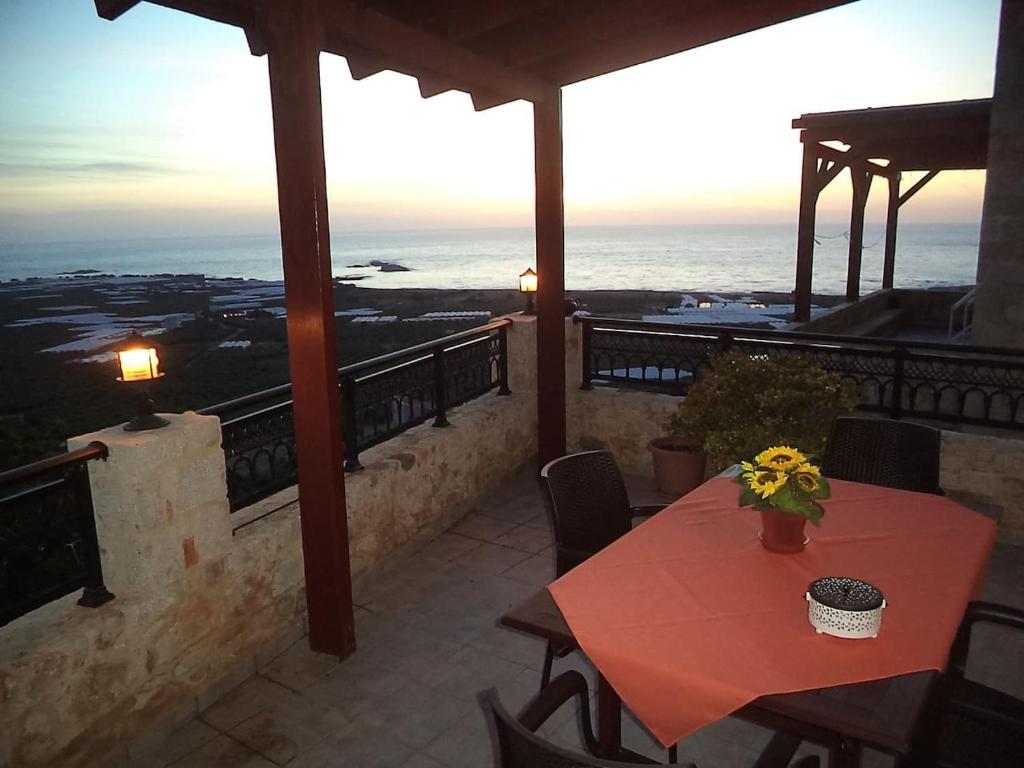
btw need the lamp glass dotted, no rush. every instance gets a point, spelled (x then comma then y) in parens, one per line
(528, 282)
(139, 364)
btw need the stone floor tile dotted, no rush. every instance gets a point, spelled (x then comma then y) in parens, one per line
(423, 760)
(282, 733)
(527, 539)
(515, 510)
(448, 546)
(537, 571)
(541, 520)
(481, 528)
(418, 714)
(299, 667)
(361, 744)
(355, 686)
(493, 559)
(181, 742)
(250, 698)
(469, 671)
(469, 744)
(512, 646)
(223, 752)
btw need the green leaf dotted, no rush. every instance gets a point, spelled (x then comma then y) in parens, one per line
(748, 498)
(824, 490)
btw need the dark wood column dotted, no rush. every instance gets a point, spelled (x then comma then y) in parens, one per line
(294, 62)
(891, 220)
(861, 188)
(809, 188)
(547, 139)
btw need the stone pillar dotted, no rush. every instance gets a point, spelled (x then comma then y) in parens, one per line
(999, 309)
(161, 503)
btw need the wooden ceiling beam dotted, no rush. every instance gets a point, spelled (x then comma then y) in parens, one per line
(853, 157)
(670, 36)
(416, 52)
(475, 20)
(113, 9)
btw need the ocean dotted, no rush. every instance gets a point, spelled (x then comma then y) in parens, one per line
(698, 258)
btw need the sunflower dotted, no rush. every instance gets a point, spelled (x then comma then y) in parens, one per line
(781, 458)
(807, 482)
(765, 482)
(809, 469)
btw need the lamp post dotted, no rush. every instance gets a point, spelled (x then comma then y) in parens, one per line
(139, 363)
(528, 286)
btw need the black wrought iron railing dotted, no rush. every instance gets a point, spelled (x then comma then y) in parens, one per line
(944, 382)
(380, 398)
(48, 545)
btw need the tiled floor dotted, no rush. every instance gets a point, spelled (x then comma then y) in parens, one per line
(428, 644)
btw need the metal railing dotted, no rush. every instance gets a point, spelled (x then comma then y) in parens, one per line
(380, 398)
(48, 545)
(944, 382)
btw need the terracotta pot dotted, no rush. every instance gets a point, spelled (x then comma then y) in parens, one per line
(782, 531)
(678, 464)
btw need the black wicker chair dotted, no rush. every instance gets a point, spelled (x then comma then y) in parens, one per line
(589, 507)
(520, 747)
(967, 724)
(884, 452)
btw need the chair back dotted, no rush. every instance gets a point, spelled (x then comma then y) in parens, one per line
(588, 503)
(895, 454)
(518, 747)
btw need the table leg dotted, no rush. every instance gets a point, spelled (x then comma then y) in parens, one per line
(846, 754)
(609, 715)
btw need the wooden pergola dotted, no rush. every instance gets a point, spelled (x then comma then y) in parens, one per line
(881, 142)
(497, 51)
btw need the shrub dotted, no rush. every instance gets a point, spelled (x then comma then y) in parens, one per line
(745, 404)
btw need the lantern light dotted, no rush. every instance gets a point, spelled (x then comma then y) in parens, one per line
(139, 362)
(528, 286)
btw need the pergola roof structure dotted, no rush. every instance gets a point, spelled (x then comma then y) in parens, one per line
(497, 51)
(881, 142)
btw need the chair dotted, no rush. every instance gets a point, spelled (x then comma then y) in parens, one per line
(589, 507)
(520, 747)
(967, 724)
(895, 454)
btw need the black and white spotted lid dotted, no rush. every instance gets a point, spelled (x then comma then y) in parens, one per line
(846, 594)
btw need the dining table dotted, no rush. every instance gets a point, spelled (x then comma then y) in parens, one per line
(688, 619)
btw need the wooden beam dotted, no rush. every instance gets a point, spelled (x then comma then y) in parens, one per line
(846, 158)
(417, 51)
(472, 20)
(891, 218)
(917, 187)
(547, 138)
(112, 9)
(809, 190)
(861, 178)
(827, 172)
(293, 61)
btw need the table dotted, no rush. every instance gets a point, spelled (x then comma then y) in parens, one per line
(844, 718)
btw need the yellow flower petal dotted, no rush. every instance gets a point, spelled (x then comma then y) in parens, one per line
(781, 458)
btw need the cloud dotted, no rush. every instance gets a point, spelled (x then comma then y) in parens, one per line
(96, 169)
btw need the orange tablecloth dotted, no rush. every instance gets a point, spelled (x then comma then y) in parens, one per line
(689, 618)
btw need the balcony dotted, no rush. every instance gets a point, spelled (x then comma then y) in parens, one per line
(200, 657)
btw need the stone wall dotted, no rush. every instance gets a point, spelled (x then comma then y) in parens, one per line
(985, 470)
(199, 606)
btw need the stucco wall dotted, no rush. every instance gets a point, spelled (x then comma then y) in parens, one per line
(980, 468)
(198, 606)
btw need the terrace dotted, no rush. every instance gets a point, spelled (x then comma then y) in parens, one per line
(187, 540)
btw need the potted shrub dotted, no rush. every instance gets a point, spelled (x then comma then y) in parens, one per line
(679, 463)
(744, 403)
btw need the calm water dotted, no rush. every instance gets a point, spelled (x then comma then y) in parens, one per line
(664, 258)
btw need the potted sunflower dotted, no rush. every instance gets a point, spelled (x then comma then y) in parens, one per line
(786, 489)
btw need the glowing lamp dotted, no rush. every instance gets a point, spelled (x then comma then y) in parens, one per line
(528, 286)
(139, 362)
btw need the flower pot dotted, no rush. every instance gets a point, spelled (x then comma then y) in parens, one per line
(782, 531)
(678, 464)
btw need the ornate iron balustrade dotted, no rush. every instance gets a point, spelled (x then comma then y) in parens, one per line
(945, 382)
(380, 399)
(48, 545)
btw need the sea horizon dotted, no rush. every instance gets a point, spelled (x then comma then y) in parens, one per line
(709, 257)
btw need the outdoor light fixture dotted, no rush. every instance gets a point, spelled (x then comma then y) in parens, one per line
(139, 363)
(528, 285)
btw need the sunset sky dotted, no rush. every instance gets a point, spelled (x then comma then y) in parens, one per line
(159, 125)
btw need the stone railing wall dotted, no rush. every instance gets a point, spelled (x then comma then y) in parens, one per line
(204, 597)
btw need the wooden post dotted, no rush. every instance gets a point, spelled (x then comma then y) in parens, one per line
(891, 219)
(294, 63)
(547, 138)
(861, 187)
(805, 233)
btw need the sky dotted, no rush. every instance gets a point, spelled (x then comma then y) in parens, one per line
(159, 125)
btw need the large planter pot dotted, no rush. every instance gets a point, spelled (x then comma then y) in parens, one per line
(782, 531)
(678, 464)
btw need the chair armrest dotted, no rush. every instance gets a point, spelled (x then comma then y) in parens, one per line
(646, 510)
(558, 692)
(978, 611)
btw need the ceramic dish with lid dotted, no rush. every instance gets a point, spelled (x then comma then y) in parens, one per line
(844, 607)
